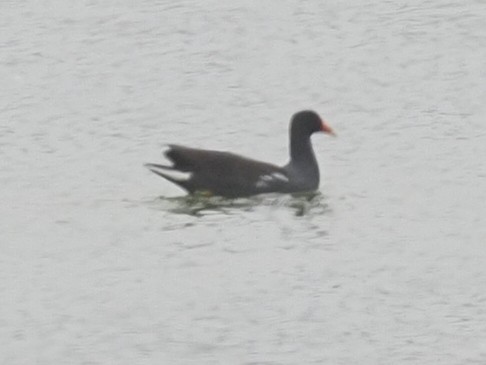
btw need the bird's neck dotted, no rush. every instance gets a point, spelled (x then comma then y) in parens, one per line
(303, 167)
(301, 150)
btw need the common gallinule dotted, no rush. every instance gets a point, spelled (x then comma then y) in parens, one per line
(230, 175)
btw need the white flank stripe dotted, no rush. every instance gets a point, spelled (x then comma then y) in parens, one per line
(275, 177)
(279, 176)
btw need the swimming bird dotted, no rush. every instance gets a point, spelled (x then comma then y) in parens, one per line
(230, 175)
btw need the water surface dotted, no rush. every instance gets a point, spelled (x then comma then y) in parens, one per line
(103, 262)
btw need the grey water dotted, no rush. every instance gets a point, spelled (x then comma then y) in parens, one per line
(102, 262)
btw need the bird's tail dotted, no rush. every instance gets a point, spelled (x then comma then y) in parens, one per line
(170, 173)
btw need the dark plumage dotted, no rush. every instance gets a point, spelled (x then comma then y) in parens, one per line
(230, 175)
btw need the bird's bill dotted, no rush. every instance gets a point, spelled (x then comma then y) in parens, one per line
(327, 129)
